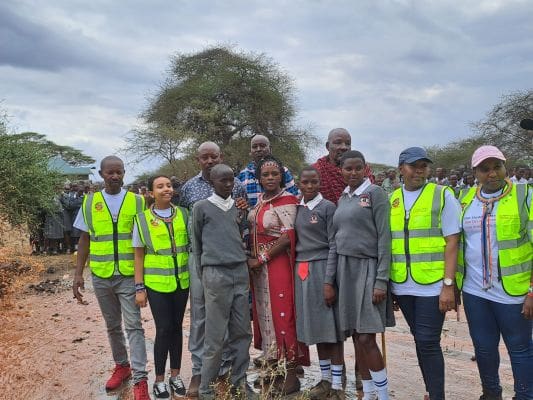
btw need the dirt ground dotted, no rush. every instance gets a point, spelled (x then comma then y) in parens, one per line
(53, 348)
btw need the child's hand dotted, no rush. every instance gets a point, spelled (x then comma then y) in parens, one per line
(378, 296)
(140, 298)
(329, 294)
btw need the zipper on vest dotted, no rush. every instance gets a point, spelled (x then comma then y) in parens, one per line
(115, 242)
(406, 243)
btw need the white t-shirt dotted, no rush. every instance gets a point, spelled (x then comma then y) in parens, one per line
(451, 224)
(113, 202)
(136, 237)
(473, 282)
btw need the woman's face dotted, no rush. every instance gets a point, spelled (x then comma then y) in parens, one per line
(491, 174)
(270, 178)
(162, 190)
(415, 175)
(353, 172)
(309, 184)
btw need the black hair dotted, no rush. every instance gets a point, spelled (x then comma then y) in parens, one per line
(352, 154)
(310, 168)
(151, 180)
(270, 158)
(108, 159)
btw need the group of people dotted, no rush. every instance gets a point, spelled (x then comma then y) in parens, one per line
(326, 258)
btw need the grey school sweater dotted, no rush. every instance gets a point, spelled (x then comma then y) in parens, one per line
(314, 231)
(216, 235)
(362, 230)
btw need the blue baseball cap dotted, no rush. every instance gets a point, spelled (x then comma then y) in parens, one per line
(412, 155)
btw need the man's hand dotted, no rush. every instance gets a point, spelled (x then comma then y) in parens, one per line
(378, 296)
(241, 203)
(140, 298)
(447, 299)
(329, 294)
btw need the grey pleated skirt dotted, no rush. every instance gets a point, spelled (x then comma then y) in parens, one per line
(354, 309)
(315, 321)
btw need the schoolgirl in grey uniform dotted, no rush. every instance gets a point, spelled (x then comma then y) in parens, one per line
(315, 320)
(362, 244)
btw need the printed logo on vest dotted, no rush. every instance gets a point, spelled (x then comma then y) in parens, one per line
(154, 222)
(99, 206)
(396, 203)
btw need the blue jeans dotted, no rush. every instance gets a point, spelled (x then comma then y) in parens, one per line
(487, 320)
(425, 321)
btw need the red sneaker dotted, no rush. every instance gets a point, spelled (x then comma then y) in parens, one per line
(120, 374)
(140, 390)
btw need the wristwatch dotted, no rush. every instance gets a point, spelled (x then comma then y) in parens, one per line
(448, 282)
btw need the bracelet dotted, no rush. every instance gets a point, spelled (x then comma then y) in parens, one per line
(139, 287)
(263, 257)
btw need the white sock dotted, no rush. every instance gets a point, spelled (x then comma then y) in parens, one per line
(336, 375)
(381, 383)
(325, 368)
(368, 389)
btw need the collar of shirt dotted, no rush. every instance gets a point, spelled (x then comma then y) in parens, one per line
(357, 192)
(223, 204)
(312, 203)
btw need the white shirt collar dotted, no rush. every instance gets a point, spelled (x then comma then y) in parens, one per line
(223, 204)
(357, 192)
(312, 203)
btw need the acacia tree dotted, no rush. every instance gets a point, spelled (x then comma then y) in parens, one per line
(225, 97)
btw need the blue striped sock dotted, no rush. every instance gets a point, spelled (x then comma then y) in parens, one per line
(381, 383)
(325, 369)
(336, 375)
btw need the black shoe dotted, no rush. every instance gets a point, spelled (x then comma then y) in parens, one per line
(176, 386)
(161, 390)
(490, 396)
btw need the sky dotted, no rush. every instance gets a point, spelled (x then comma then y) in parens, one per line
(395, 73)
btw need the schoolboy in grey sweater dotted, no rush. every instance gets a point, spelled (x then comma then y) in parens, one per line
(218, 248)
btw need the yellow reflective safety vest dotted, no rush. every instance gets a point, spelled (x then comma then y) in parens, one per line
(164, 264)
(110, 241)
(417, 241)
(514, 225)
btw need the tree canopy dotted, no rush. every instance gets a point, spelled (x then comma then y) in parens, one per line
(500, 127)
(226, 97)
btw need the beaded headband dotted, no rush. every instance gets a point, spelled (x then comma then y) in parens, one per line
(270, 164)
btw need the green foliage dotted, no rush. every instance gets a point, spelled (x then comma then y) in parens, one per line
(27, 185)
(69, 154)
(500, 128)
(222, 96)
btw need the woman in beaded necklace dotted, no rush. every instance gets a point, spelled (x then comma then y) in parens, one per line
(494, 272)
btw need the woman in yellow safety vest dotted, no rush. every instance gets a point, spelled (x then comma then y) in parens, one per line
(161, 277)
(425, 227)
(494, 272)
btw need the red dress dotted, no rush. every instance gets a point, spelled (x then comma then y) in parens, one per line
(273, 286)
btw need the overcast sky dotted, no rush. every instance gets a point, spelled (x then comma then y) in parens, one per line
(394, 73)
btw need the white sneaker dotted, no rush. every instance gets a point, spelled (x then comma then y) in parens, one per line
(161, 390)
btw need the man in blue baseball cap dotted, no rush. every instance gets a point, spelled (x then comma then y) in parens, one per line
(412, 155)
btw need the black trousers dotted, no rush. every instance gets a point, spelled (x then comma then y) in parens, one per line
(168, 310)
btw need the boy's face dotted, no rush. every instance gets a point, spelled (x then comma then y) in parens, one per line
(113, 174)
(223, 184)
(309, 185)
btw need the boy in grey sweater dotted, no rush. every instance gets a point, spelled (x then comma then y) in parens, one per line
(219, 251)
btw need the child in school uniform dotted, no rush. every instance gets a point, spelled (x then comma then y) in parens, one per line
(216, 236)
(362, 244)
(315, 320)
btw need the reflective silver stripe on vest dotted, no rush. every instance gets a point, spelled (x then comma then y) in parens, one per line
(143, 225)
(435, 209)
(512, 243)
(167, 252)
(109, 238)
(529, 225)
(139, 204)
(89, 212)
(418, 233)
(461, 269)
(516, 269)
(159, 271)
(424, 257)
(111, 257)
